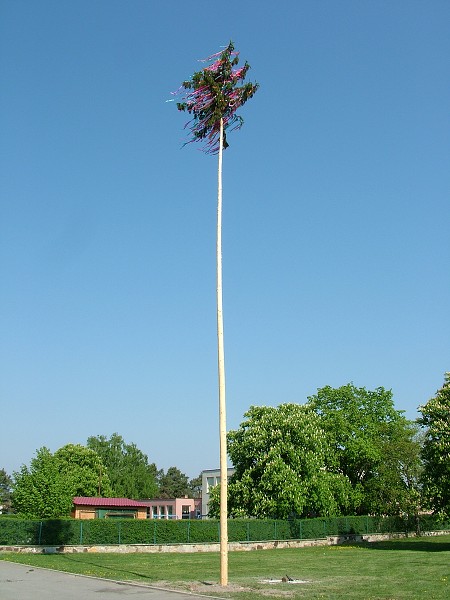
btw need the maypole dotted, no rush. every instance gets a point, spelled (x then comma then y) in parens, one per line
(213, 99)
(221, 370)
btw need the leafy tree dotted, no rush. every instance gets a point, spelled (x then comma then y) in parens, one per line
(128, 469)
(284, 465)
(83, 470)
(40, 491)
(374, 444)
(195, 486)
(46, 489)
(5, 491)
(396, 489)
(174, 484)
(436, 449)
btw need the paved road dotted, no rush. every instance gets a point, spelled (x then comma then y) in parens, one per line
(21, 582)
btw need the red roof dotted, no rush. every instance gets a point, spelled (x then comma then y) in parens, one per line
(122, 502)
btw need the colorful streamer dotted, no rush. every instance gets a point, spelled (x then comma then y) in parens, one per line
(213, 94)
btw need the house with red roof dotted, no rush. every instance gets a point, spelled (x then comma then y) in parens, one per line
(156, 508)
(106, 508)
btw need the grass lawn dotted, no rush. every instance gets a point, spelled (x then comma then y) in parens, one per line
(415, 568)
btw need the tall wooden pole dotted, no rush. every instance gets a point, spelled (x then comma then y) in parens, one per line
(221, 366)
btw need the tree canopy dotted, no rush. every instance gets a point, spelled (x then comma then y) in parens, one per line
(284, 466)
(127, 467)
(195, 486)
(46, 488)
(214, 95)
(346, 451)
(174, 484)
(374, 445)
(5, 491)
(436, 449)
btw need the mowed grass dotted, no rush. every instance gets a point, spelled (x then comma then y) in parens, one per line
(413, 568)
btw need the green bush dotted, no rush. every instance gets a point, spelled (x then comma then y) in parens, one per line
(134, 531)
(434, 522)
(238, 530)
(99, 531)
(19, 532)
(206, 531)
(171, 532)
(58, 532)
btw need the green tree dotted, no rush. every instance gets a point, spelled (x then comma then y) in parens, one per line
(195, 486)
(174, 484)
(46, 489)
(284, 465)
(83, 470)
(376, 447)
(396, 489)
(5, 491)
(127, 467)
(436, 449)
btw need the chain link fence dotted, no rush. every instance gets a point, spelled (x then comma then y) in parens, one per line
(58, 532)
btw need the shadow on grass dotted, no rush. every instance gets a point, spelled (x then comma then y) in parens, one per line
(411, 545)
(105, 569)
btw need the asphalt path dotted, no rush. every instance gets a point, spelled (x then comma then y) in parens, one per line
(22, 582)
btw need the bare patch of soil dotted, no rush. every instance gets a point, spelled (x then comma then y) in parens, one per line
(209, 588)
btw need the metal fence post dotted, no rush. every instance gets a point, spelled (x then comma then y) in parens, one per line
(81, 532)
(40, 533)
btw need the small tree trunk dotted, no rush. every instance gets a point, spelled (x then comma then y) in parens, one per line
(221, 367)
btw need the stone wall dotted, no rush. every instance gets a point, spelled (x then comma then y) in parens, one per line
(232, 546)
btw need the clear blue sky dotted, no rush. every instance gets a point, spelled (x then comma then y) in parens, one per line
(336, 211)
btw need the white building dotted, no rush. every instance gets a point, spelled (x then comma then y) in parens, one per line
(210, 478)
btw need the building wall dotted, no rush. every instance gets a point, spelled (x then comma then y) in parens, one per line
(174, 508)
(83, 513)
(210, 478)
(156, 508)
(92, 512)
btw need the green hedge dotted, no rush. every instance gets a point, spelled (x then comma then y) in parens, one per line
(58, 532)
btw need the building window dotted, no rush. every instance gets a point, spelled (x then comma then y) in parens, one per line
(185, 511)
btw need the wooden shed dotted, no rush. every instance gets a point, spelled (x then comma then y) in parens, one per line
(108, 508)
